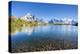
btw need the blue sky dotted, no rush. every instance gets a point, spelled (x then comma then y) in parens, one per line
(44, 10)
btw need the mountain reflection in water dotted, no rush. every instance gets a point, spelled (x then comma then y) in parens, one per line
(27, 30)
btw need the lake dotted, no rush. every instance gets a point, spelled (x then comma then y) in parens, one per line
(44, 38)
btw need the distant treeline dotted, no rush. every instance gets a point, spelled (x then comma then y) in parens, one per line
(16, 23)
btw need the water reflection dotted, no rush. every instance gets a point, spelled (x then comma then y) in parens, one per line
(63, 30)
(40, 38)
(27, 30)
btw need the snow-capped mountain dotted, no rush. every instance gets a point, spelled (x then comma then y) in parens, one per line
(28, 17)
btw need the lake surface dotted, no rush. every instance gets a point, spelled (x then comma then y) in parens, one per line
(44, 38)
